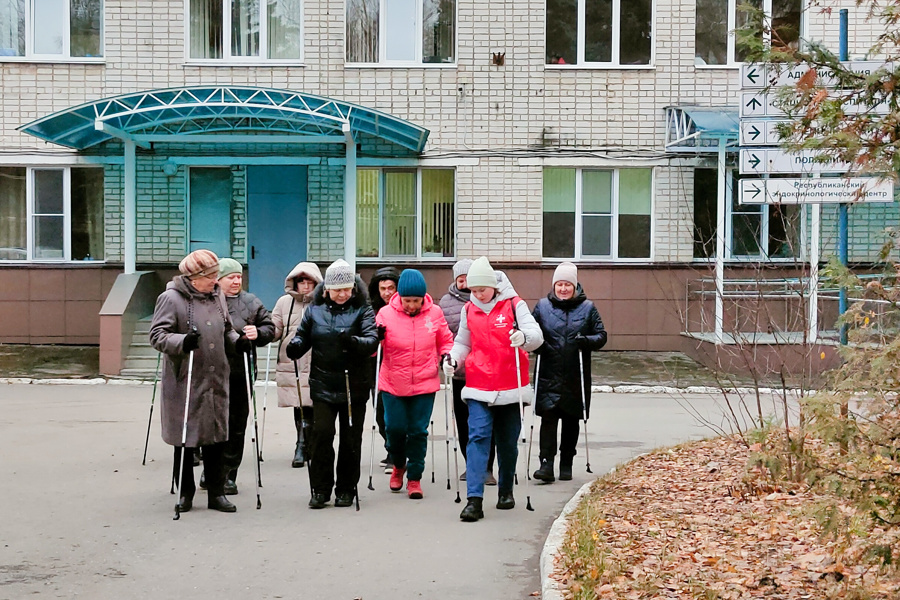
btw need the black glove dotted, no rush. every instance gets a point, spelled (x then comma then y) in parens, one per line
(582, 342)
(345, 339)
(243, 344)
(381, 329)
(293, 348)
(191, 341)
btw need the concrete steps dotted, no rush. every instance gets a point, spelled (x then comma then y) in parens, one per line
(141, 358)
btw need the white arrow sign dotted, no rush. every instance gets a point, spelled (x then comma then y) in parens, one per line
(825, 190)
(761, 133)
(762, 161)
(758, 104)
(757, 76)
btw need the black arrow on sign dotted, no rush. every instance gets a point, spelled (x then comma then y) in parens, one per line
(754, 160)
(754, 132)
(752, 75)
(754, 103)
(756, 192)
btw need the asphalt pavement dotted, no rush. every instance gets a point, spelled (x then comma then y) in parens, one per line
(81, 517)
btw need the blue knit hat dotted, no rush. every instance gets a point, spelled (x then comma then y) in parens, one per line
(412, 283)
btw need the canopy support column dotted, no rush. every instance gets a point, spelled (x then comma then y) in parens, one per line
(720, 243)
(350, 199)
(129, 216)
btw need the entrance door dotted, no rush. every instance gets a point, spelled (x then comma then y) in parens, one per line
(210, 198)
(276, 212)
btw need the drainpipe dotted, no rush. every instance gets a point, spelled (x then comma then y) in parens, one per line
(130, 209)
(350, 199)
(720, 243)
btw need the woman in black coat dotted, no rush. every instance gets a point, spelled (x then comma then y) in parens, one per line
(571, 325)
(339, 328)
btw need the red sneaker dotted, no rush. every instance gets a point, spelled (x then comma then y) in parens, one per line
(414, 490)
(397, 479)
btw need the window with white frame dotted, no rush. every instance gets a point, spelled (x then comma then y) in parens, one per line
(752, 232)
(245, 30)
(714, 39)
(405, 213)
(599, 32)
(51, 214)
(597, 213)
(401, 32)
(49, 29)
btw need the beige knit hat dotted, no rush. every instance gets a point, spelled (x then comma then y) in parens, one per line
(481, 274)
(566, 271)
(199, 263)
(339, 275)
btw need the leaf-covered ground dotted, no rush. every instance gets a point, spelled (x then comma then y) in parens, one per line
(692, 522)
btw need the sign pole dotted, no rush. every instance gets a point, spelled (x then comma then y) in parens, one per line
(720, 244)
(843, 226)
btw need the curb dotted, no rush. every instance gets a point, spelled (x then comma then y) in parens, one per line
(599, 389)
(550, 588)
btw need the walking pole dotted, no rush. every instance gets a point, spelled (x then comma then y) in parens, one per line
(522, 418)
(152, 402)
(251, 405)
(587, 452)
(447, 431)
(187, 400)
(537, 370)
(262, 430)
(455, 442)
(350, 423)
(303, 424)
(374, 399)
(432, 451)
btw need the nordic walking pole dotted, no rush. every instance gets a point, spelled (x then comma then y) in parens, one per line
(187, 401)
(374, 399)
(537, 370)
(254, 439)
(152, 402)
(587, 452)
(432, 451)
(262, 430)
(522, 418)
(303, 424)
(447, 431)
(455, 441)
(350, 423)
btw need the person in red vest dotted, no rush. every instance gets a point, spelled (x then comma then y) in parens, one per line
(494, 325)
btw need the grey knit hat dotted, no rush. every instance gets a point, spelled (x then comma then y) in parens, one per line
(566, 271)
(339, 275)
(461, 267)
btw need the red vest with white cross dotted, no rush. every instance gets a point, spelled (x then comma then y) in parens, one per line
(491, 364)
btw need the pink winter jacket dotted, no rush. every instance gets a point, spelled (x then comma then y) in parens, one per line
(412, 348)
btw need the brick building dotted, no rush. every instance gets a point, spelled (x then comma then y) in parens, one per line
(546, 127)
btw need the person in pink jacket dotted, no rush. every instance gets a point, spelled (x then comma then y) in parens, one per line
(414, 337)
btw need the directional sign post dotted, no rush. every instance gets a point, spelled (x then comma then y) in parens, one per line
(762, 161)
(824, 190)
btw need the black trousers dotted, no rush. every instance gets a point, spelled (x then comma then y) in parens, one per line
(238, 413)
(322, 467)
(213, 465)
(461, 410)
(568, 440)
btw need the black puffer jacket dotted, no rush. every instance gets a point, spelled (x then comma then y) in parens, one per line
(561, 321)
(320, 331)
(247, 309)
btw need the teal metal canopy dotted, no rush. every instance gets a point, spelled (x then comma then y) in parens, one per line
(182, 112)
(700, 128)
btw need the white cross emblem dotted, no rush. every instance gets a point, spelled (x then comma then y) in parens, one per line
(501, 320)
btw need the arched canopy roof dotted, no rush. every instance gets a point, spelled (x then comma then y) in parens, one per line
(186, 111)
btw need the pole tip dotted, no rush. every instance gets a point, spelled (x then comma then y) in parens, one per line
(528, 505)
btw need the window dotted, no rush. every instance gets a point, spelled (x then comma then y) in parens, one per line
(246, 29)
(593, 213)
(51, 28)
(759, 232)
(599, 32)
(51, 214)
(402, 32)
(405, 213)
(717, 19)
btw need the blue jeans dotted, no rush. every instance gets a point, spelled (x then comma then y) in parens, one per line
(503, 421)
(406, 425)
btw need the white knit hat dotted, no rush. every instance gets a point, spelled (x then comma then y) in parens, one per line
(566, 272)
(461, 267)
(481, 274)
(339, 275)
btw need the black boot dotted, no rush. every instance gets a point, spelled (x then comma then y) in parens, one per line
(473, 511)
(185, 504)
(505, 500)
(565, 470)
(300, 449)
(221, 504)
(545, 473)
(318, 500)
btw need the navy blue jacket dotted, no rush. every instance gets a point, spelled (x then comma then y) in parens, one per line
(561, 321)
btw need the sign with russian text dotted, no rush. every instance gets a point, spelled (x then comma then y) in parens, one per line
(818, 190)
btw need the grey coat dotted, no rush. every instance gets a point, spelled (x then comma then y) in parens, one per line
(452, 304)
(177, 309)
